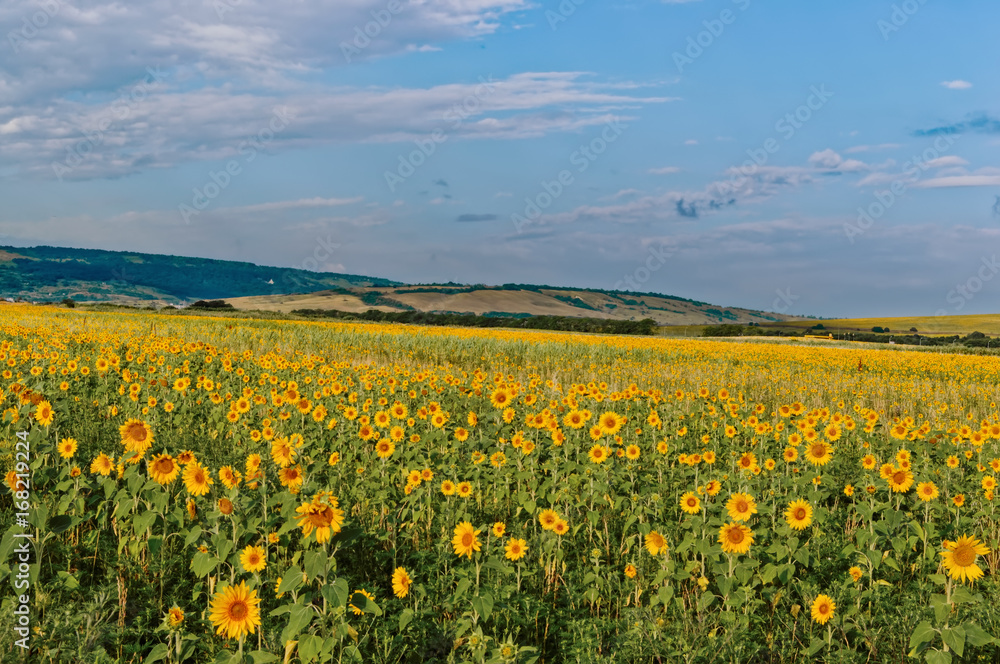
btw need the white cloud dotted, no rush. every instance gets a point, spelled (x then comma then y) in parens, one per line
(298, 204)
(666, 170)
(957, 84)
(172, 124)
(961, 181)
(948, 160)
(872, 148)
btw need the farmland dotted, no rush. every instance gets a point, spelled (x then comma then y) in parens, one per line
(226, 490)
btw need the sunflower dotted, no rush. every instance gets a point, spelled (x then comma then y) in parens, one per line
(464, 489)
(466, 539)
(927, 491)
(401, 582)
(655, 543)
(185, 457)
(818, 453)
(355, 610)
(713, 487)
(385, 448)
(900, 480)
(291, 477)
(960, 558)
(632, 452)
(741, 507)
(690, 503)
(235, 611)
(989, 483)
(102, 464)
(321, 514)
(192, 510)
(225, 506)
(197, 479)
(822, 609)
(610, 423)
(231, 478)
(599, 453)
(175, 616)
(548, 519)
(747, 461)
(868, 462)
(799, 514)
(44, 414)
(735, 538)
(515, 549)
(67, 448)
(498, 529)
(136, 435)
(561, 527)
(448, 488)
(253, 559)
(163, 468)
(282, 453)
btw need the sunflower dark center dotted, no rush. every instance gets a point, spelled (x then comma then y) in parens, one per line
(238, 610)
(964, 555)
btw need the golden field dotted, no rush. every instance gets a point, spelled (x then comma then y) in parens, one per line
(227, 490)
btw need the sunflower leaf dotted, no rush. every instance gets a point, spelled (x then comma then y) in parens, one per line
(404, 618)
(975, 635)
(922, 636)
(938, 657)
(291, 580)
(203, 564)
(955, 638)
(157, 654)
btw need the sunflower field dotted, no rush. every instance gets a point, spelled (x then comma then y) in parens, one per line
(185, 489)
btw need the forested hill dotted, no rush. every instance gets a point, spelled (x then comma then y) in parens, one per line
(54, 273)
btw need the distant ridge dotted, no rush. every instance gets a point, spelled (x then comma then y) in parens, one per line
(54, 273)
(127, 277)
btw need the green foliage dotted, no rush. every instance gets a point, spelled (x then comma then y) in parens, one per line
(646, 326)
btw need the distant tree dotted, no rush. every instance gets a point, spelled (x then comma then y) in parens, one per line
(878, 330)
(819, 326)
(69, 303)
(913, 329)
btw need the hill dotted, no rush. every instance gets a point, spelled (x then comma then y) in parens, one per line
(54, 273)
(514, 300)
(91, 275)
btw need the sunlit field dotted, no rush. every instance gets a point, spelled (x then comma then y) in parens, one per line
(224, 490)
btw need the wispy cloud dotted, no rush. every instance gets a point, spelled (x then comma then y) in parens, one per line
(982, 124)
(957, 84)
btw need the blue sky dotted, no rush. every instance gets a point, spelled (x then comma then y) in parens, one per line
(118, 123)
